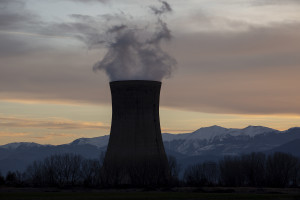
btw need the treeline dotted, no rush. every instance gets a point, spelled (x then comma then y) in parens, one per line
(61, 170)
(253, 170)
(71, 170)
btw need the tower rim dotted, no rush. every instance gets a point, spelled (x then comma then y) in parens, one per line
(134, 81)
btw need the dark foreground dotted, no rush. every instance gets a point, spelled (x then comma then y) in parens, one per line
(180, 193)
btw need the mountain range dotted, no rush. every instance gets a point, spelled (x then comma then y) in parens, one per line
(204, 144)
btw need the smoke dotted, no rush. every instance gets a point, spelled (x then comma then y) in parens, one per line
(135, 53)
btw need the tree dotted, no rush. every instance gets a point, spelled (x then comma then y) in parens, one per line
(11, 179)
(253, 168)
(35, 174)
(2, 180)
(174, 169)
(51, 170)
(91, 172)
(56, 170)
(231, 171)
(211, 172)
(295, 174)
(280, 169)
(193, 175)
(201, 174)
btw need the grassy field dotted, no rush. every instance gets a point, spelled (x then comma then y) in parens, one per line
(115, 195)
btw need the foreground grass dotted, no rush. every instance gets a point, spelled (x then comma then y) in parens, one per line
(141, 195)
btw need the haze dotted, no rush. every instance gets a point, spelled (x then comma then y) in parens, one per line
(238, 64)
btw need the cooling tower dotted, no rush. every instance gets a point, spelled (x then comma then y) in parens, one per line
(135, 153)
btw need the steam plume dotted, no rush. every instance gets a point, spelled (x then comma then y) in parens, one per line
(132, 55)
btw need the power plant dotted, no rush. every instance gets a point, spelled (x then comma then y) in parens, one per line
(135, 154)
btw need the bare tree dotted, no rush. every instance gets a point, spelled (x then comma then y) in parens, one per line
(35, 174)
(11, 179)
(91, 172)
(211, 172)
(194, 175)
(202, 174)
(174, 169)
(280, 169)
(231, 171)
(295, 174)
(50, 170)
(56, 170)
(2, 180)
(253, 168)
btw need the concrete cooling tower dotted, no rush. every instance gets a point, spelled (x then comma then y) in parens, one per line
(135, 153)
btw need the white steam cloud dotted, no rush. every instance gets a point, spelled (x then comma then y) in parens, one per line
(135, 53)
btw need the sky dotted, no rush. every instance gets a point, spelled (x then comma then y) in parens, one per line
(238, 64)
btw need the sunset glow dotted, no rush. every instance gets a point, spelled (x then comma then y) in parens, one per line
(238, 64)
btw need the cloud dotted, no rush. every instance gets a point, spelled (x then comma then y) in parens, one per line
(86, 29)
(15, 122)
(90, 1)
(168, 130)
(164, 8)
(49, 136)
(273, 2)
(250, 70)
(41, 138)
(12, 134)
(16, 21)
(14, 15)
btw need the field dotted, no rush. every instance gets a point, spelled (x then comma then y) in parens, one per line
(187, 193)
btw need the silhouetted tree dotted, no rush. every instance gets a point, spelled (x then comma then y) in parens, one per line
(297, 181)
(253, 168)
(11, 179)
(202, 174)
(280, 169)
(35, 174)
(295, 174)
(91, 172)
(211, 173)
(50, 170)
(2, 180)
(174, 169)
(56, 170)
(231, 172)
(194, 175)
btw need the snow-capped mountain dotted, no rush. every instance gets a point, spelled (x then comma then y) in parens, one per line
(217, 140)
(210, 133)
(256, 130)
(205, 143)
(99, 142)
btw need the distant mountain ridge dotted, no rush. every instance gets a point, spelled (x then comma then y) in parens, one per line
(16, 145)
(208, 143)
(209, 133)
(99, 142)
(204, 140)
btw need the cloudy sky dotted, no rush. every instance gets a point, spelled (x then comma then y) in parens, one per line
(238, 64)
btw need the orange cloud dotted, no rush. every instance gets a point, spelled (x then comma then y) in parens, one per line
(12, 134)
(170, 130)
(15, 122)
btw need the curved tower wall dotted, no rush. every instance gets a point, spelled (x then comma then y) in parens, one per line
(135, 144)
